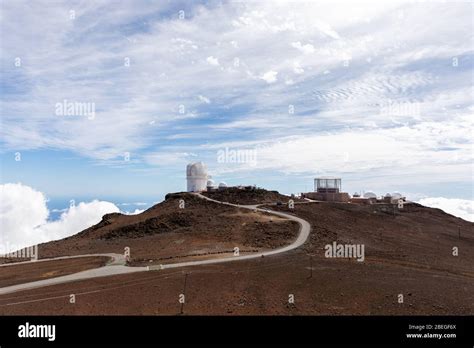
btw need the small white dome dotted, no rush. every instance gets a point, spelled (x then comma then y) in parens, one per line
(388, 195)
(222, 185)
(370, 195)
(210, 183)
(396, 195)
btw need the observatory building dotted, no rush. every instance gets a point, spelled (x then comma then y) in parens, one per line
(328, 189)
(370, 195)
(366, 198)
(210, 185)
(196, 177)
(327, 184)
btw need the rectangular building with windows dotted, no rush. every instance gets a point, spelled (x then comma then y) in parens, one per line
(327, 189)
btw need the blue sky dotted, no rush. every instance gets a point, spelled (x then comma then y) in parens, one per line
(381, 93)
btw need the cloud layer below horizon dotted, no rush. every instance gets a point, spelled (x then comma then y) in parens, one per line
(462, 208)
(24, 217)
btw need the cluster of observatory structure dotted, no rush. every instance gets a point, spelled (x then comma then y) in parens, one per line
(328, 189)
(198, 179)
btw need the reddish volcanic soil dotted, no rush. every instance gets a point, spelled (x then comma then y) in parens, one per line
(337, 287)
(250, 197)
(30, 272)
(407, 252)
(167, 233)
(413, 237)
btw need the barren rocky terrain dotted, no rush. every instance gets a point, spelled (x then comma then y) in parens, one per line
(167, 232)
(408, 252)
(18, 274)
(413, 237)
(251, 197)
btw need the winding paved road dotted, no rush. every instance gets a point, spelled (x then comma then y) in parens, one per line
(117, 266)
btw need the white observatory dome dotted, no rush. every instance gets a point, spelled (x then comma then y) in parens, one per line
(196, 169)
(396, 195)
(222, 185)
(388, 195)
(210, 183)
(196, 176)
(370, 195)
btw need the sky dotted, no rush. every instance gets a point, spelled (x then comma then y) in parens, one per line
(109, 100)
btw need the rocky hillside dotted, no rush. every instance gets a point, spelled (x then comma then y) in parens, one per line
(183, 225)
(248, 197)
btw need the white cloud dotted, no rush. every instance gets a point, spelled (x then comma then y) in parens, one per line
(204, 99)
(135, 212)
(270, 76)
(24, 217)
(134, 203)
(462, 208)
(212, 60)
(326, 29)
(22, 210)
(406, 154)
(169, 158)
(306, 48)
(297, 68)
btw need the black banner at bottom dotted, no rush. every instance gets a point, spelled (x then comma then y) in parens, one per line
(190, 330)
